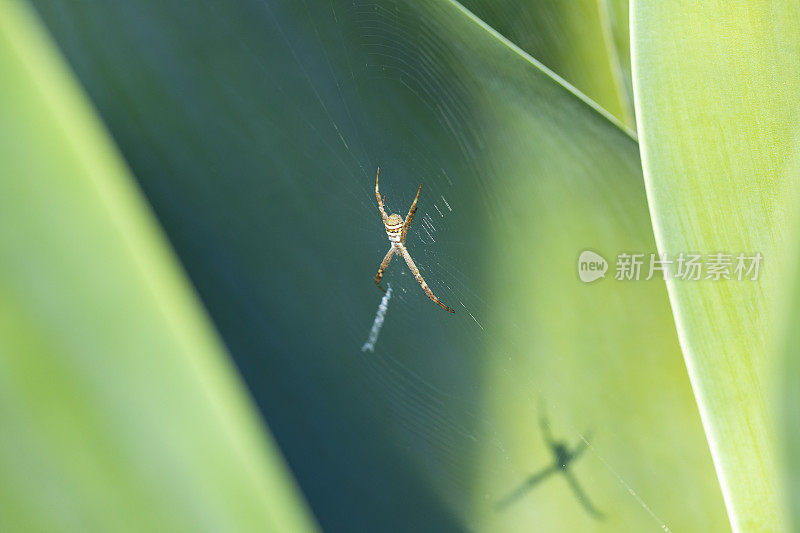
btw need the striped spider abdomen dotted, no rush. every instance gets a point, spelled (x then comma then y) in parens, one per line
(394, 228)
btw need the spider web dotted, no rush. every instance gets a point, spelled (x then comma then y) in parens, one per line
(259, 157)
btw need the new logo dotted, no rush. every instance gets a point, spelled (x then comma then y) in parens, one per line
(591, 266)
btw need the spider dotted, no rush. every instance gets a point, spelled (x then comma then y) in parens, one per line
(397, 229)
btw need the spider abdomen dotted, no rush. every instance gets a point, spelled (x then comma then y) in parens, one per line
(394, 228)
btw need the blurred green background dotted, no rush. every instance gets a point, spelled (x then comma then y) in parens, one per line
(190, 236)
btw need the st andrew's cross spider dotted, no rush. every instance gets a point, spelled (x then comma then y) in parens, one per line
(396, 230)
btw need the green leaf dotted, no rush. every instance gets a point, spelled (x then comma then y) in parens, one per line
(716, 91)
(584, 41)
(255, 130)
(119, 409)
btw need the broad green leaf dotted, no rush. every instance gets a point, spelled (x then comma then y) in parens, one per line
(119, 410)
(584, 41)
(716, 91)
(255, 129)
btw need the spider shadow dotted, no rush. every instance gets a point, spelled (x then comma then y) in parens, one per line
(563, 456)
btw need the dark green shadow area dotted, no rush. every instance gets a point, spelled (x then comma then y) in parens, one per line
(255, 131)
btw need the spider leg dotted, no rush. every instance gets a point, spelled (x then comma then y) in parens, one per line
(581, 496)
(378, 196)
(418, 277)
(526, 485)
(384, 264)
(410, 215)
(544, 424)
